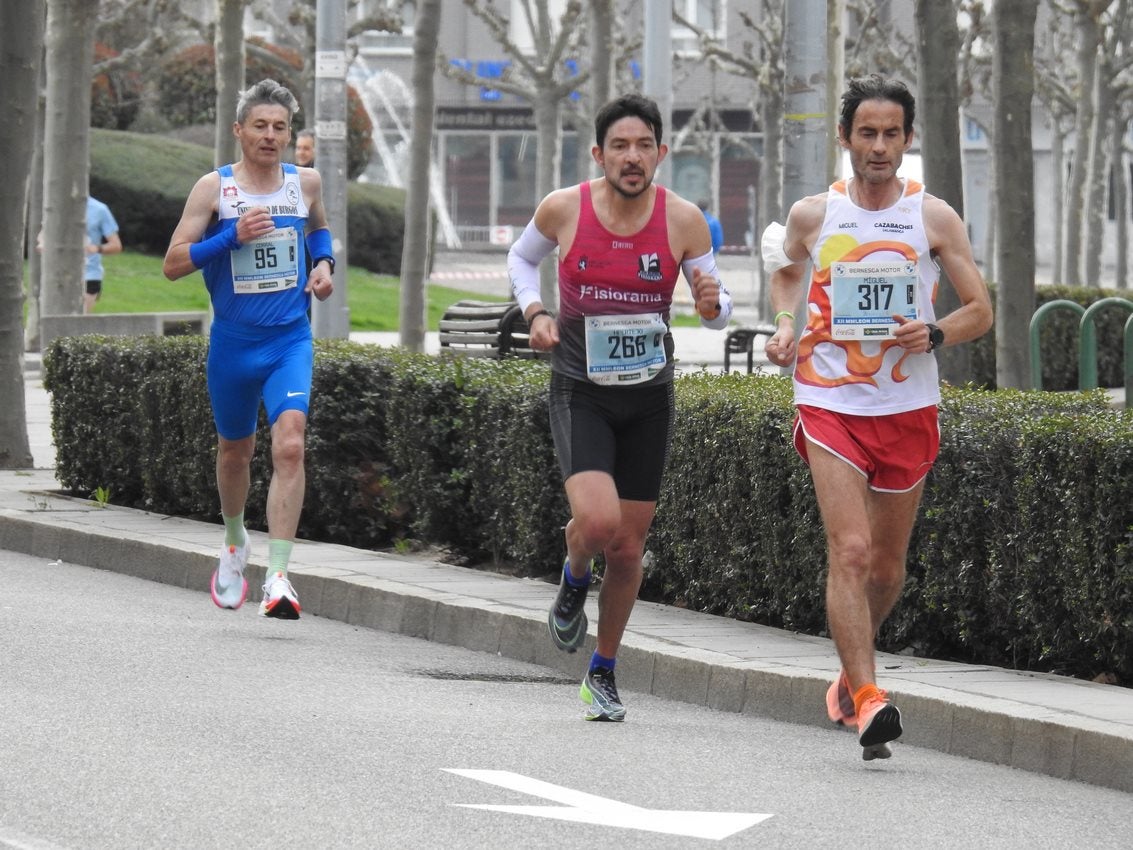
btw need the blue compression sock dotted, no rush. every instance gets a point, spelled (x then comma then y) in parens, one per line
(576, 582)
(597, 660)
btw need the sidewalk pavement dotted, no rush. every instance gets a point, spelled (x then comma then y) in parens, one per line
(1047, 724)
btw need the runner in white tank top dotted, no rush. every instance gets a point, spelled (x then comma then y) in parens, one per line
(867, 263)
(865, 377)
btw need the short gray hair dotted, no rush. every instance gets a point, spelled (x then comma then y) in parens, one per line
(266, 93)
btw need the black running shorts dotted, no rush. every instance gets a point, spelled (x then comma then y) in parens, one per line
(625, 431)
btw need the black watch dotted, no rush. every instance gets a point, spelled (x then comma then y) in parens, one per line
(935, 337)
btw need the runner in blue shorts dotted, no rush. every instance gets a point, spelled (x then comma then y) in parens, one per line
(250, 228)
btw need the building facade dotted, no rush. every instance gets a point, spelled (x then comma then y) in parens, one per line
(485, 139)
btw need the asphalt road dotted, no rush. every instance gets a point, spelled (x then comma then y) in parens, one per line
(135, 714)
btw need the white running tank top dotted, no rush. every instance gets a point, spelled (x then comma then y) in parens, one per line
(867, 377)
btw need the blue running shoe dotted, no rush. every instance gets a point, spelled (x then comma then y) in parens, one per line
(567, 619)
(601, 693)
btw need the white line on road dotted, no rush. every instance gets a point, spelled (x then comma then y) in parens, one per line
(580, 807)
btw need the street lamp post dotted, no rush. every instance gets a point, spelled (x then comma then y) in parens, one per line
(331, 318)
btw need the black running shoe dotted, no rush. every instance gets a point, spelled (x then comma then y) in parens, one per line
(601, 694)
(877, 751)
(567, 618)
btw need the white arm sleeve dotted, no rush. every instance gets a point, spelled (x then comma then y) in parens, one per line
(707, 266)
(523, 264)
(771, 246)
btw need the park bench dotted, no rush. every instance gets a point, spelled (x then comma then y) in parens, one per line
(741, 341)
(487, 329)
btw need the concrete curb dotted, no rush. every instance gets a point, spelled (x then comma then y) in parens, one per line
(1005, 717)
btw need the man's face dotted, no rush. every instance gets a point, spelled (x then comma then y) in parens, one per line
(877, 142)
(629, 156)
(265, 133)
(304, 151)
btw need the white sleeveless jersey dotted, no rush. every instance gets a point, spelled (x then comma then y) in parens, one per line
(867, 377)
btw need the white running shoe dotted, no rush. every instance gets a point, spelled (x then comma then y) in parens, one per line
(279, 598)
(228, 586)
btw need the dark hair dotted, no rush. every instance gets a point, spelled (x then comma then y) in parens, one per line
(269, 93)
(875, 87)
(627, 105)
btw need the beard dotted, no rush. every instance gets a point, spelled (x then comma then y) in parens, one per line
(616, 185)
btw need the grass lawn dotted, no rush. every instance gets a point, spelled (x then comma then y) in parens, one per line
(135, 284)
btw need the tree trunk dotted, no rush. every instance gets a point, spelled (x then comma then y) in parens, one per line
(601, 51)
(991, 260)
(938, 44)
(21, 50)
(1095, 204)
(547, 160)
(601, 72)
(1118, 129)
(229, 43)
(1087, 69)
(1058, 202)
(66, 152)
(1013, 87)
(415, 250)
(804, 130)
(35, 214)
(835, 81)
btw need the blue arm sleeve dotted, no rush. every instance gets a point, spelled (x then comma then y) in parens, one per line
(203, 253)
(320, 246)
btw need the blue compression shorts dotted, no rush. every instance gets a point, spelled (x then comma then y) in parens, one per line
(247, 364)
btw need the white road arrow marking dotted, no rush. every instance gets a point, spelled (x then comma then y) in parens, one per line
(580, 807)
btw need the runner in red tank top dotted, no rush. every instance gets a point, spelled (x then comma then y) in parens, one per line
(622, 241)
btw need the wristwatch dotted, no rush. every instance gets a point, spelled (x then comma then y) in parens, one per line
(935, 337)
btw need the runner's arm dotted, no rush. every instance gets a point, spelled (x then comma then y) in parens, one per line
(713, 301)
(523, 260)
(949, 241)
(199, 210)
(785, 251)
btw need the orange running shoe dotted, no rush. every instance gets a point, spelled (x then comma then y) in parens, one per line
(879, 721)
(840, 702)
(840, 709)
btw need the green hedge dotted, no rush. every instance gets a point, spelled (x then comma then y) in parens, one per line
(1021, 556)
(145, 180)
